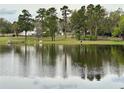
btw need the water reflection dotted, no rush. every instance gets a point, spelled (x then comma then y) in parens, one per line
(87, 62)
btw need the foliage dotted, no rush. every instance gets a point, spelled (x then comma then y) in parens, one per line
(15, 28)
(116, 32)
(88, 37)
(89, 18)
(78, 22)
(5, 26)
(65, 12)
(121, 25)
(88, 22)
(51, 22)
(119, 29)
(25, 21)
(40, 22)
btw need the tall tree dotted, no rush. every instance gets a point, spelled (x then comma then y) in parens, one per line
(90, 18)
(5, 26)
(120, 28)
(75, 23)
(83, 19)
(26, 22)
(78, 22)
(114, 17)
(65, 12)
(40, 21)
(95, 16)
(98, 17)
(105, 27)
(51, 22)
(15, 28)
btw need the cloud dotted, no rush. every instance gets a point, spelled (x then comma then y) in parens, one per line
(4, 11)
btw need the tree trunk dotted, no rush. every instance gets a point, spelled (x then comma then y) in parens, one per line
(52, 38)
(85, 32)
(25, 36)
(90, 32)
(96, 32)
(16, 34)
(65, 25)
(65, 65)
(38, 39)
(79, 35)
(65, 32)
(122, 36)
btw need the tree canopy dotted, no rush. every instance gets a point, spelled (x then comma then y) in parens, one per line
(88, 21)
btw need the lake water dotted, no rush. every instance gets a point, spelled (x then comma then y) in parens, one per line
(61, 66)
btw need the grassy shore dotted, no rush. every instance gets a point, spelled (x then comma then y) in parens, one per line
(60, 40)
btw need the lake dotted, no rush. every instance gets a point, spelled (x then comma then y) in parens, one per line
(61, 66)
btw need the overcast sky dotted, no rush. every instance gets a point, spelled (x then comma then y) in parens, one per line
(11, 11)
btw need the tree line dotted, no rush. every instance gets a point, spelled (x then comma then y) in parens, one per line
(88, 22)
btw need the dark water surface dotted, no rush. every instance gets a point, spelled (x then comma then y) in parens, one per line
(62, 66)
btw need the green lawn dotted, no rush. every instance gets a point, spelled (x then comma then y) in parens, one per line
(59, 40)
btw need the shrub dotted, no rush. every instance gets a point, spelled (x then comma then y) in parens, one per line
(88, 37)
(116, 31)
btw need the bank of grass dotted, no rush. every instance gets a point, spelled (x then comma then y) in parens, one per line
(59, 40)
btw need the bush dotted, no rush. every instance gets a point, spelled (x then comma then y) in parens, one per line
(78, 36)
(93, 38)
(45, 34)
(88, 37)
(116, 31)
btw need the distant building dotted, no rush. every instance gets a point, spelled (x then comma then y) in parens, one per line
(29, 33)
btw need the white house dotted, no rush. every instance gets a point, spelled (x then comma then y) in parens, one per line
(29, 33)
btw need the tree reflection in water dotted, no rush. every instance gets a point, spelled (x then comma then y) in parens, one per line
(86, 62)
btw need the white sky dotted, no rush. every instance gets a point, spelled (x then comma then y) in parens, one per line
(11, 11)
